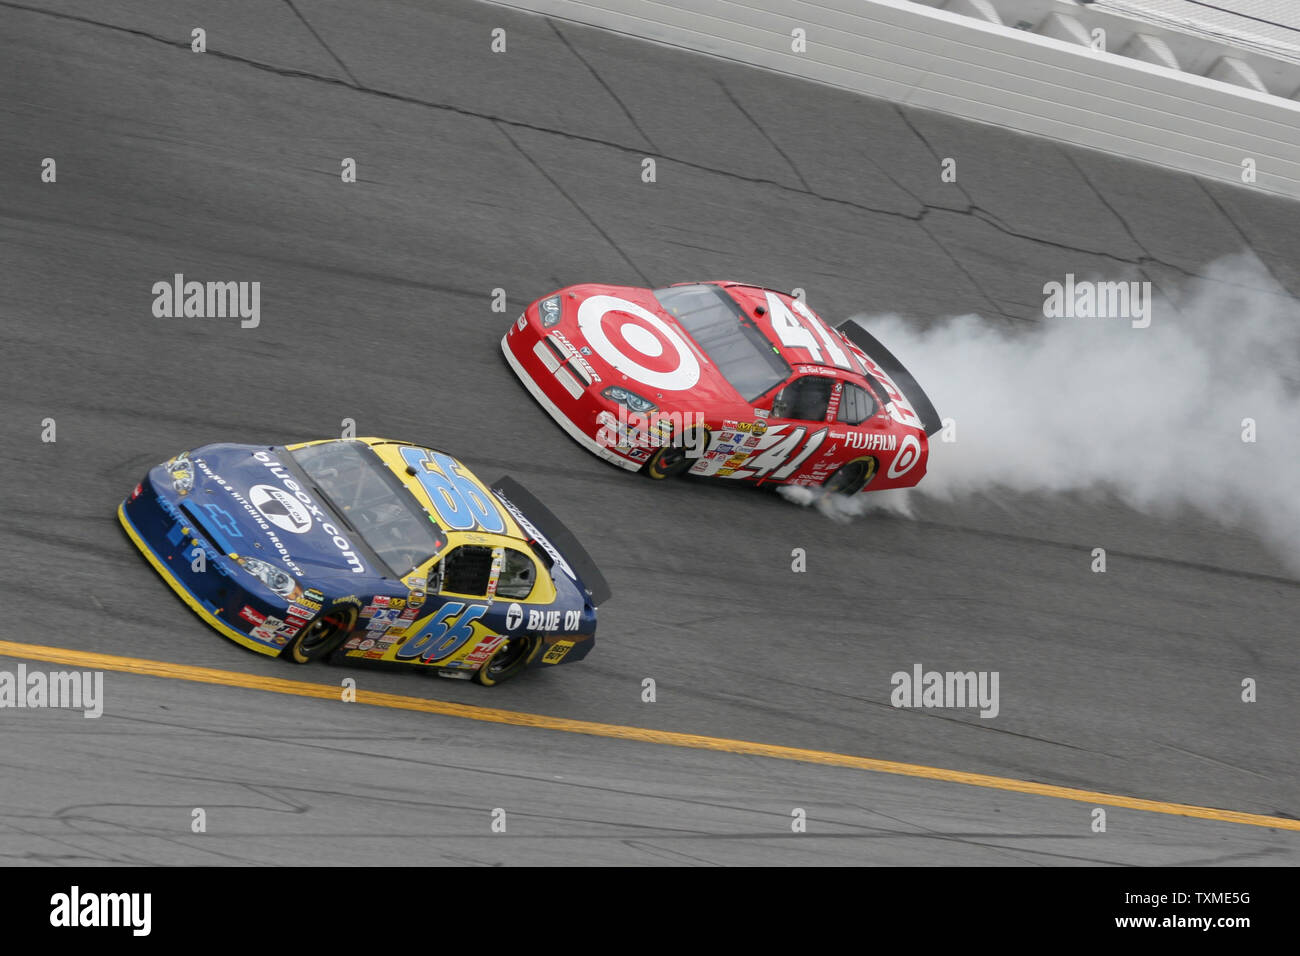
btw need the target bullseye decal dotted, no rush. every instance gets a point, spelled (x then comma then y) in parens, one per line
(638, 338)
(638, 343)
(908, 455)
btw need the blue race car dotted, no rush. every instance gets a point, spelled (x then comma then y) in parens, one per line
(367, 549)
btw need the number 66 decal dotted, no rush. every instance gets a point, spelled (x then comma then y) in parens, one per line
(461, 504)
(444, 635)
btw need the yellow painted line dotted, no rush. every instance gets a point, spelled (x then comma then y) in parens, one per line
(280, 685)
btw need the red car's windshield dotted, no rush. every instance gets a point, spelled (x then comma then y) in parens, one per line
(720, 327)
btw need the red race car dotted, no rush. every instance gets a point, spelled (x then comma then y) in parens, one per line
(726, 380)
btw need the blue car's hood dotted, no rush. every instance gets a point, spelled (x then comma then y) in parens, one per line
(254, 501)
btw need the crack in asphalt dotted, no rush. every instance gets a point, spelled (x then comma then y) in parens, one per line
(528, 157)
(321, 40)
(1239, 231)
(1146, 257)
(601, 80)
(762, 132)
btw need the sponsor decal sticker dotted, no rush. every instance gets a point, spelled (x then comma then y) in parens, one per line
(478, 657)
(554, 620)
(514, 617)
(280, 508)
(273, 627)
(555, 653)
(638, 343)
(870, 442)
(418, 587)
(906, 458)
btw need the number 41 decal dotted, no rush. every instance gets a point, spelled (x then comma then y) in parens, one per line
(804, 335)
(775, 455)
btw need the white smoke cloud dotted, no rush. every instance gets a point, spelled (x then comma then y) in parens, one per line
(1153, 415)
(843, 508)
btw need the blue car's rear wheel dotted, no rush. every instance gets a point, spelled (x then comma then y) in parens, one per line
(322, 635)
(508, 660)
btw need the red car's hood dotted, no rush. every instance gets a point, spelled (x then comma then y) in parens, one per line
(629, 340)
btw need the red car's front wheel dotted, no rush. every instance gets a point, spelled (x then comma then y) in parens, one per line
(675, 458)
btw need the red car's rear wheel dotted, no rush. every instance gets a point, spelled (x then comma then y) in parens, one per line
(851, 477)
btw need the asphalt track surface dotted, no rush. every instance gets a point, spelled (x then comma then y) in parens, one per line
(522, 171)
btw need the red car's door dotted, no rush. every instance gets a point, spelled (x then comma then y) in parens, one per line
(797, 426)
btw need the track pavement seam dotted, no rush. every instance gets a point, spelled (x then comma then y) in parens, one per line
(973, 211)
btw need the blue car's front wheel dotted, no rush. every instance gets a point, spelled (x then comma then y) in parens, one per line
(323, 635)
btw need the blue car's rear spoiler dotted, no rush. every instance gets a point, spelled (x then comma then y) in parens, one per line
(910, 388)
(553, 537)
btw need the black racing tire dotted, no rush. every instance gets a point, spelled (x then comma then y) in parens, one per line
(851, 477)
(506, 661)
(672, 460)
(322, 635)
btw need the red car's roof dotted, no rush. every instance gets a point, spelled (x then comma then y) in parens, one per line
(754, 300)
(794, 332)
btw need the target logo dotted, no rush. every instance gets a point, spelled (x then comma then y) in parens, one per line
(638, 343)
(908, 455)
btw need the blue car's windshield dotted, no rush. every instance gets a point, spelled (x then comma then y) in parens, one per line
(357, 484)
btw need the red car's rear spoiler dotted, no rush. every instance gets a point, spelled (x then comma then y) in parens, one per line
(910, 388)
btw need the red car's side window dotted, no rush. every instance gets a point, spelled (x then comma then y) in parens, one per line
(856, 405)
(805, 399)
